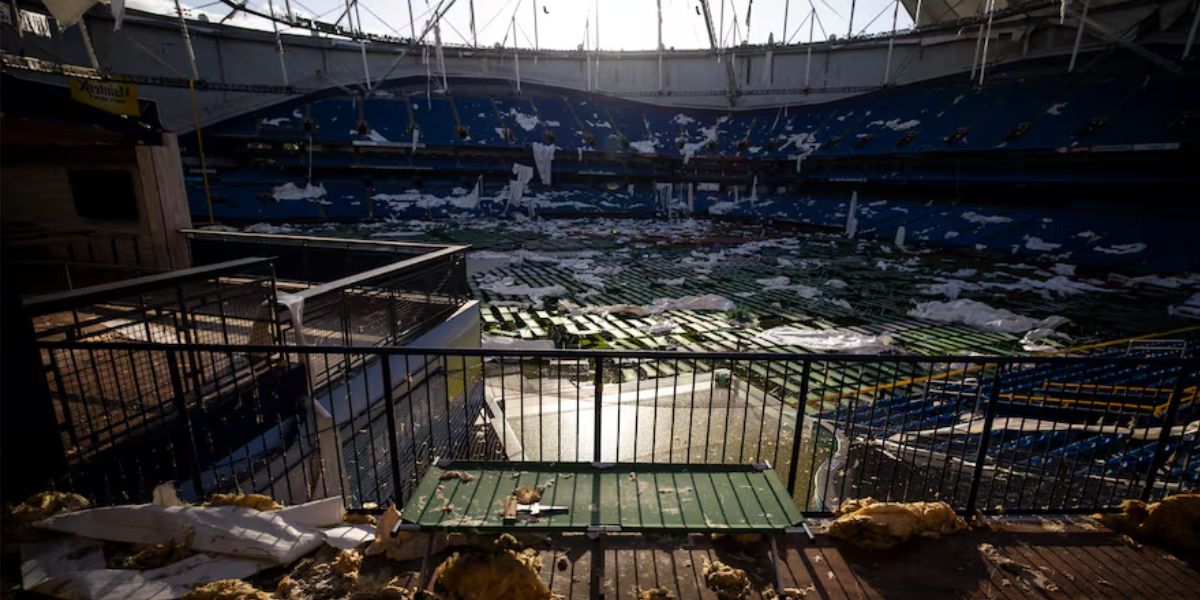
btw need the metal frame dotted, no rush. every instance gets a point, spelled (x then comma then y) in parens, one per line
(860, 410)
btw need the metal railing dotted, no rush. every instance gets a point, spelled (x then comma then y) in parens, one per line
(994, 434)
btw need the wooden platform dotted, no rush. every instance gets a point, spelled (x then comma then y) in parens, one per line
(1079, 559)
(643, 497)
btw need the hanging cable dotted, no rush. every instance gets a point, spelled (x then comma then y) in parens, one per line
(187, 38)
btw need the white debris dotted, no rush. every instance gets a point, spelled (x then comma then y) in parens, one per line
(1056, 108)
(502, 342)
(1064, 269)
(896, 124)
(506, 287)
(979, 219)
(1037, 244)
(978, 314)
(269, 228)
(1133, 248)
(543, 158)
(644, 146)
(1190, 308)
(276, 122)
(674, 282)
(704, 302)
(527, 122)
(290, 191)
(827, 340)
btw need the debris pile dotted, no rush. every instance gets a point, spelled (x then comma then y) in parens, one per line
(728, 582)
(658, 593)
(880, 525)
(1174, 522)
(1027, 576)
(500, 573)
(43, 505)
(321, 577)
(527, 495)
(255, 501)
(226, 589)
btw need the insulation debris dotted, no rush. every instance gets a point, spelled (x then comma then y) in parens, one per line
(405, 545)
(255, 501)
(1173, 522)
(392, 590)
(43, 505)
(226, 589)
(358, 519)
(463, 475)
(728, 582)
(502, 574)
(157, 555)
(658, 593)
(1026, 575)
(527, 495)
(880, 525)
(789, 593)
(347, 563)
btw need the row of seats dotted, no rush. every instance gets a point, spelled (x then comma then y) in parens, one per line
(1011, 113)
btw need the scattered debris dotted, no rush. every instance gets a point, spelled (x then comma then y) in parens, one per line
(728, 582)
(501, 574)
(255, 501)
(405, 545)
(358, 518)
(45, 504)
(1026, 575)
(347, 563)
(322, 576)
(1173, 522)
(156, 555)
(658, 593)
(226, 589)
(526, 495)
(392, 590)
(789, 593)
(880, 525)
(463, 475)
(563, 563)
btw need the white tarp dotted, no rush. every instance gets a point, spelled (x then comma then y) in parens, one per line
(827, 340)
(978, 314)
(516, 187)
(232, 543)
(543, 158)
(704, 302)
(68, 12)
(273, 536)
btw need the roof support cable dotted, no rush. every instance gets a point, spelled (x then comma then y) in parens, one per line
(278, 44)
(887, 67)
(987, 38)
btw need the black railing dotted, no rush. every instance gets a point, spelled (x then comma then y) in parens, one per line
(996, 434)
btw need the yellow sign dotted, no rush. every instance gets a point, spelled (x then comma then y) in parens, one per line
(112, 96)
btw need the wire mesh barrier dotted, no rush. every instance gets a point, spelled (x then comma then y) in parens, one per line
(997, 434)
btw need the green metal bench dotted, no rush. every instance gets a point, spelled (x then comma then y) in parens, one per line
(606, 498)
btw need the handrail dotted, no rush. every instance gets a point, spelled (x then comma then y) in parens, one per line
(48, 303)
(306, 239)
(577, 354)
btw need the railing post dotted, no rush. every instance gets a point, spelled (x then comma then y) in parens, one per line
(804, 372)
(985, 437)
(390, 413)
(598, 382)
(180, 403)
(1163, 435)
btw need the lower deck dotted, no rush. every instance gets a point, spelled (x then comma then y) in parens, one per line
(1077, 558)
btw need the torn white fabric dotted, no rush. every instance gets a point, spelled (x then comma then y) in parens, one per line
(231, 530)
(704, 302)
(827, 340)
(68, 12)
(978, 314)
(543, 158)
(503, 342)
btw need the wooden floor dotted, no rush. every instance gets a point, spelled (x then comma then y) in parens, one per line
(1078, 559)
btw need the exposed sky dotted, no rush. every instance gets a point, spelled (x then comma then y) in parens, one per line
(561, 24)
